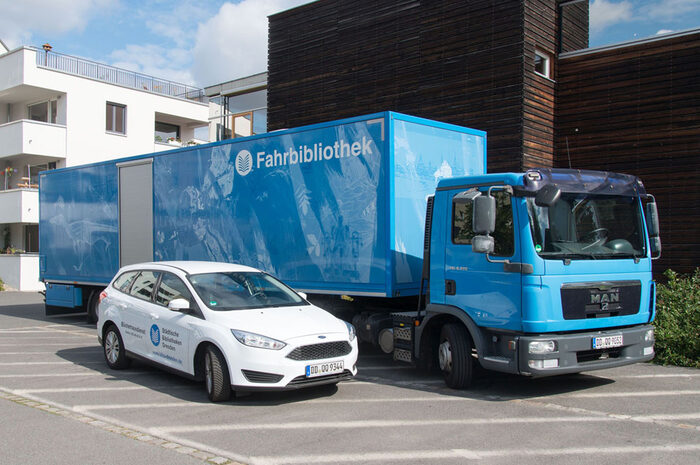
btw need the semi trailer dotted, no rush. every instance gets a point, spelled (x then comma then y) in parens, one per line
(393, 222)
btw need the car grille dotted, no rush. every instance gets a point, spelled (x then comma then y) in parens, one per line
(320, 351)
(303, 380)
(260, 377)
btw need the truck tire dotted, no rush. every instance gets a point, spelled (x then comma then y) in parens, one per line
(114, 350)
(92, 304)
(454, 356)
(216, 377)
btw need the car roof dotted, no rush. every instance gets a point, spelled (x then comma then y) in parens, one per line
(190, 267)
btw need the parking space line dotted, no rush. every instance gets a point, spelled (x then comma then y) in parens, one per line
(598, 395)
(403, 455)
(667, 375)
(50, 352)
(5, 364)
(378, 424)
(42, 344)
(60, 375)
(22, 392)
(93, 407)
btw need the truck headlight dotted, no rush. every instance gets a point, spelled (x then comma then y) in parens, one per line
(351, 330)
(256, 340)
(542, 347)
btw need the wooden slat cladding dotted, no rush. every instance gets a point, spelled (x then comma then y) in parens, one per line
(636, 109)
(574, 26)
(455, 61)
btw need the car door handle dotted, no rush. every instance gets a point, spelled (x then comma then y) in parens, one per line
(154, 316)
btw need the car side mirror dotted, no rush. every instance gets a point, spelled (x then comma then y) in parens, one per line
(547, 196)
(179, 305)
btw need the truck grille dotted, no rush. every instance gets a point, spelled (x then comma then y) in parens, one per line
(600, 299)
(320, 351)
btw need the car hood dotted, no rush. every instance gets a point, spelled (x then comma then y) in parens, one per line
(281, 323)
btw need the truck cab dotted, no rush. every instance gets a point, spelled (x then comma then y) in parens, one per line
(538, 273)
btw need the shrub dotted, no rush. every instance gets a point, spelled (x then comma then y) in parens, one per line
(2, 285)
(677, 324)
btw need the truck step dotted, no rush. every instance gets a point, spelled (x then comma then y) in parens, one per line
(403, 355)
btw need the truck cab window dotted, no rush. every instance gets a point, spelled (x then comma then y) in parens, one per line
(462, 232)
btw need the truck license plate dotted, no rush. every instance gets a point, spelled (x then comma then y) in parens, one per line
(323, 369)
(607, 342)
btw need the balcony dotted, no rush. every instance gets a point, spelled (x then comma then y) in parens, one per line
(26, 137)
(19, 206)
(21, 272)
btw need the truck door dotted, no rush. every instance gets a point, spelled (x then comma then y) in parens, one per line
(135, 212)
(485, 290)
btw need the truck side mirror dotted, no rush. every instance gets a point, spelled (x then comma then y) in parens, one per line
(547, 196)
(483, 244)
(652, 217)
(484, 215)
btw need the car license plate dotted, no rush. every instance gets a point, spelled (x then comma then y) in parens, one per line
(607, 342)
(323, 369)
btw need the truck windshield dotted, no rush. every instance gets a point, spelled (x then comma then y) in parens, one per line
(588, 227)
(243, 290)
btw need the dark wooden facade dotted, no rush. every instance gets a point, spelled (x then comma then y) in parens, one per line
(468, 62)
(636, 109)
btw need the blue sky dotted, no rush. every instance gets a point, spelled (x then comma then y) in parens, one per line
(205, 42)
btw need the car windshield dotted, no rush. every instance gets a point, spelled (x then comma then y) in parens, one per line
(236, 290)
(588, 227)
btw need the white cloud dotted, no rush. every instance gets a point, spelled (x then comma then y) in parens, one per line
(670, 10)
(604, 13)
(154, 60)
(20, 19)
(233, 43)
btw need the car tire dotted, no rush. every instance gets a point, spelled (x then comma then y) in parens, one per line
(114, 350)
(216, 377)
(454, 356)
(92, 304)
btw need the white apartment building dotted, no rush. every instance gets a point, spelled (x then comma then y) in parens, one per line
(57, 111)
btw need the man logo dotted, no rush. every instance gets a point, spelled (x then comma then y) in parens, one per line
(155, 335)
(244, 162)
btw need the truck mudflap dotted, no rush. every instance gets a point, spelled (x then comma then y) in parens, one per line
(555, 354)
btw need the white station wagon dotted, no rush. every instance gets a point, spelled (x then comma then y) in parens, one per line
(232, 326)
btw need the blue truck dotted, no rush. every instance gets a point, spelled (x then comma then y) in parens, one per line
(391, 221)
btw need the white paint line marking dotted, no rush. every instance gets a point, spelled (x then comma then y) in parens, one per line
(60, 375)
(403, 455)
(99, 348)
(377, 424)
(43, 344)
(597, 395)
(22, 392)
(92, 407)
(384, 368)
(669, 375)
(49, 363)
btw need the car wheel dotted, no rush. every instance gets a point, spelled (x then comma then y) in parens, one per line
(92, 304)
(216, 377)
(454, 356)
(113, 345)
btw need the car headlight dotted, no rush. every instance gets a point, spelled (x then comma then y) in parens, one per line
(351, 330)
(256, 340)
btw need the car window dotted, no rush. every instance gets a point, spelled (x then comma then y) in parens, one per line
(242, 290)
(170, 288)
(144, 284)
(123, 282)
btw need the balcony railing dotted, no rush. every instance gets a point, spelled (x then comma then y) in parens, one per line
(110, 74)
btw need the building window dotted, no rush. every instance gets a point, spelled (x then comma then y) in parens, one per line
(31, 238)
(543, 64)
(116, 118)
(45, 112)
(242, 124)
(166, 132)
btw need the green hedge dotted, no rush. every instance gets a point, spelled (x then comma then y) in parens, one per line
(677, 324)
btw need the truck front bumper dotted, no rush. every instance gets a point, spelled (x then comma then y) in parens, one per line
(555, 354)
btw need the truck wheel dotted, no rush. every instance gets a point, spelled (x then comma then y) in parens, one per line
(92, 303)
(454, 355)
(115, 353)
(216, 378)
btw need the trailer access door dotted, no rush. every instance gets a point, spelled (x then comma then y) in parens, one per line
(135, 212)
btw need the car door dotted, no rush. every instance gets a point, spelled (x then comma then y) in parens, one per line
(172, 348)
(138, 307)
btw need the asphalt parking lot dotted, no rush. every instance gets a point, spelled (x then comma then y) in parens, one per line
(60, 403)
